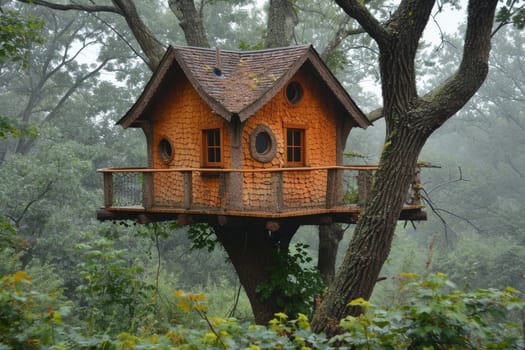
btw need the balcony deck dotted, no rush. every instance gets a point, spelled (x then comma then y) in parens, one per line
(129, 195)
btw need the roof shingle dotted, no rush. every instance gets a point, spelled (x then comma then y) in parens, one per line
(246, 81)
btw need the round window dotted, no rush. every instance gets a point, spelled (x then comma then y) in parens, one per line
(165, 150)
(263, 144)
(294, 92)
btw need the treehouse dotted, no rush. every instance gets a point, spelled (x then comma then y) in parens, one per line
(237, 137)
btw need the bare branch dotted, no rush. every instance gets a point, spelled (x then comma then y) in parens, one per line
(41, 195)
(459, 179)
(74, 7)
(446, 99)
(341, 34)
(357, 10)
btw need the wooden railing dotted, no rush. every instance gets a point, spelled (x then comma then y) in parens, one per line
(135, 188)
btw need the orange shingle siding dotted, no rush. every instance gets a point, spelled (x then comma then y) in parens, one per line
(181, 116)
(300, 189)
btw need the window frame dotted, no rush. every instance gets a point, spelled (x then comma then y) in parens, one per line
(294, 92)
(205, 147)
(269, 153)
(165, 150)
(301, 146)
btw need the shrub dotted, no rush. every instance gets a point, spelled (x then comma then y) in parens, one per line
(435, 315)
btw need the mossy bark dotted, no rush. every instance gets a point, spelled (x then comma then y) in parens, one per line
(410, 120)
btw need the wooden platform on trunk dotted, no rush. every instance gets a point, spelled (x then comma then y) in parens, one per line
(313, 216)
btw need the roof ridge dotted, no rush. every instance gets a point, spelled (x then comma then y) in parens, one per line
(213, 49)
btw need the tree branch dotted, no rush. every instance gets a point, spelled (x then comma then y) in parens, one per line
(357, 10)
(77, 7)
(147, 41)
(449, 97)
(341, 34)
(31, 202)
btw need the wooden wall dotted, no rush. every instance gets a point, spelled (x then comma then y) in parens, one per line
(180, 116)
(317, 118)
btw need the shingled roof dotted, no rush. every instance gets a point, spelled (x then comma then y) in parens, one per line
(239, 82)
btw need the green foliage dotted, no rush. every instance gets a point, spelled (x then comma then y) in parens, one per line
(114, 297)
(8, 127)
(202, 236)
(7, 233)
(245, 46)
(294, 281)
(434, 315)
(17, 35)
(28, 319)
(512, 12)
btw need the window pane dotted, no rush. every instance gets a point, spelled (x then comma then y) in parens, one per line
(213, 137)
(295, 146)
(217, 137)
(297, 155)
(262, 142)
(212, 146)
(297, 138)
(211, 155)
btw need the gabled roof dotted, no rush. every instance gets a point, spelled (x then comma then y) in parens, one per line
(247, 80)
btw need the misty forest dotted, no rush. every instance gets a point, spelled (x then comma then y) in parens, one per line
(443, 83)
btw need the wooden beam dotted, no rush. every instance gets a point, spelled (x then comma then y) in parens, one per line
(148, 200)
(108, 190)
(277, 189)
(188, 189)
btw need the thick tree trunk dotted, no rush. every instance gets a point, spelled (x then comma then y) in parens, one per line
(329, 238)
(251, 250)
(410, 121)
(282, 20)
(370, 246)
(190, 20)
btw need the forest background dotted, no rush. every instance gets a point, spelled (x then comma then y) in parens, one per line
(84, 75)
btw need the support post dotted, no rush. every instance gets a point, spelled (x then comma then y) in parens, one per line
(108, 190)
(364, 184)
(188, 189)
(277, 189)
(415, 198)
(147, 190)
(331, 188)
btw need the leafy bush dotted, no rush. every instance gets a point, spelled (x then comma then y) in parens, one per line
(28, 319)
(114, 296)
(294, 281)
(435, 315)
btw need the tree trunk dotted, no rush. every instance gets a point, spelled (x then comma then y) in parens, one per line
(190, 20)
(152, 48)
(329, 238)
(251, 250)
(282, 20)
(410, 120)
(370, 245)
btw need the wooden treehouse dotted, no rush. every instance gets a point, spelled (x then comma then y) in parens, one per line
(244, 137)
